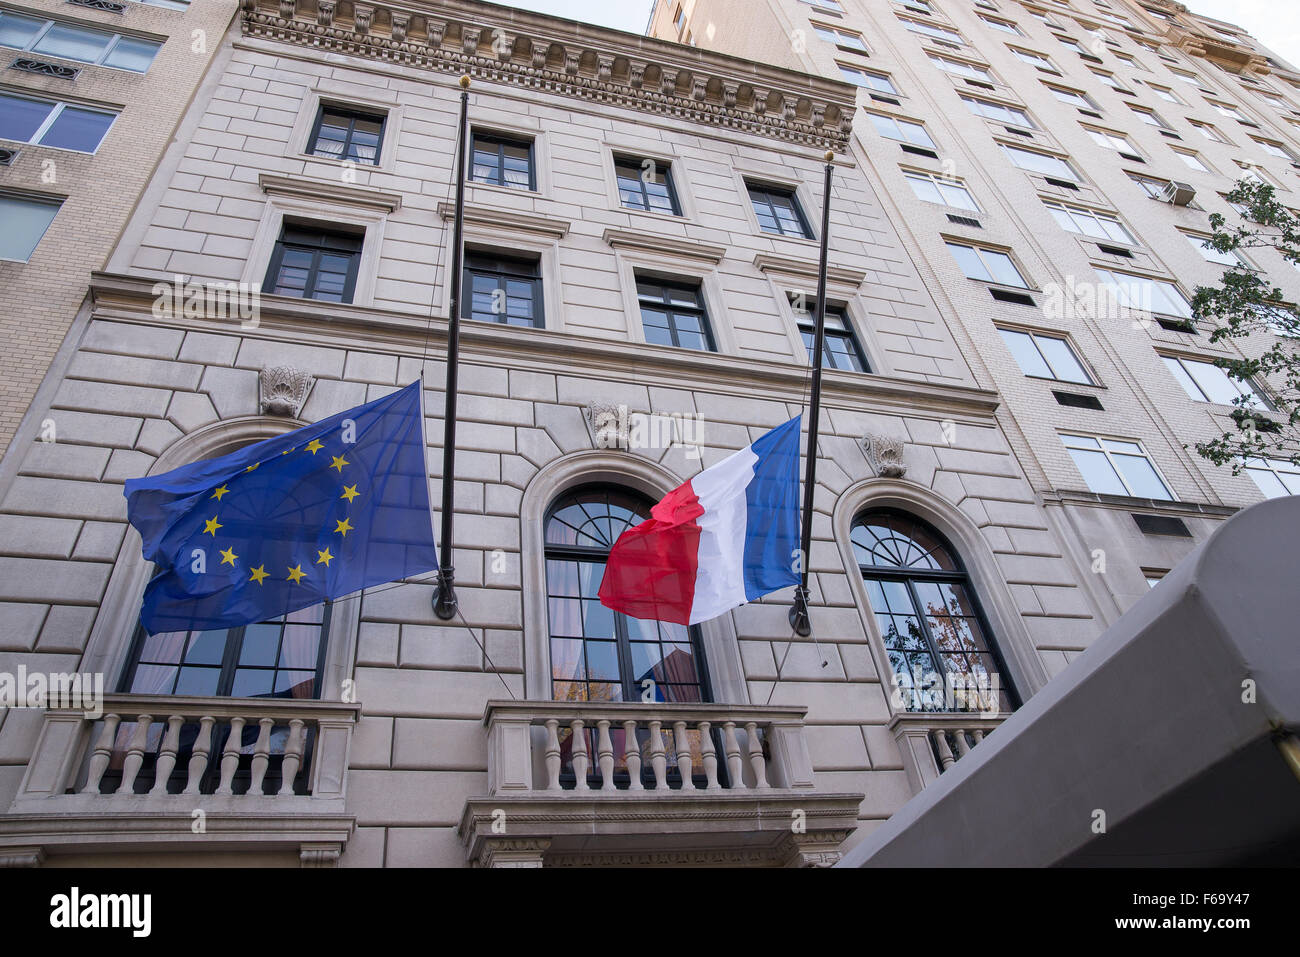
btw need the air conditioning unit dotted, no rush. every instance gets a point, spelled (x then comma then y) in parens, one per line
(1180, 194)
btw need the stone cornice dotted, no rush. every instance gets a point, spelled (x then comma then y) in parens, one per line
(130, 299)
(502, 45)
(507, 219)
(660, 245)
(364, 197)
(807, 269)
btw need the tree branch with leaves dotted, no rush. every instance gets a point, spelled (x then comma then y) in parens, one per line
(1246, 306)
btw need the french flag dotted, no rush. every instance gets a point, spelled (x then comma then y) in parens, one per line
(724, 538)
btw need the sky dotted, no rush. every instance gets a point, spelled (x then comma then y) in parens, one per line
(629, 15)
(1275, 23)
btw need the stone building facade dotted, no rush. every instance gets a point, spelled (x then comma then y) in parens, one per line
(315, 164)
(92, 95)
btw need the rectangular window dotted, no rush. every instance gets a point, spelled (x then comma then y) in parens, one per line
(778, 211)
(1154, 188)
(1108, 139)
(933, 31)
(1275, 477)
(866, 79)
(840, 347)
(67, 126)
(1164, 93)
(1088, 222)
(987, 265)
(26, 220)
(1146, 295)
(1209, 131)
(347, 135)
(933, 188)
(961, 68)
(1193, 160)
(673, 314)
(71, 41)
(1037, 60)
(1109, 80)
(1045, 357)
(1002, 25)
(1186, 76)
(844, 39)
(1213, 255)
(1073, 97)
(1150, 117)
(503, 161)
(831, 5)
(905, 131)
(313, 263)
(503, 289)
(1034, 162)
(1226, 109)
(1116, 467)
(645, 184)
(999, 112)
(1274, 148)
(1206, 382)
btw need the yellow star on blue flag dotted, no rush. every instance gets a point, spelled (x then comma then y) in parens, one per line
(355, 516)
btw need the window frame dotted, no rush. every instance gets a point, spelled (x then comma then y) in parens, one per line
(1255, 399)
(114, 40)
(501, 141)
(1276, 468)
(1109, 454)
(233, 646)
(353, 115)
(806, 323)
(787, 192)
(959, 576)
(324, 232)
(664, 303)
(58, 107)
(1072, 211)
(629, 161)
(474, 265)
(937, 181)
(56, 202)
(1088, 377)
(979, 250)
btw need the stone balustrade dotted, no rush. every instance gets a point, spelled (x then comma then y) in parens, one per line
(256, 770)
(661, 747)
(931, 743)
(595, 783)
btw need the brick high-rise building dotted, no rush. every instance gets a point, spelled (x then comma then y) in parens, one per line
(642, 232)
(91, 96)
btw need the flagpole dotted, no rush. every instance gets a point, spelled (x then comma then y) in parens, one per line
(799, 619)
(444, 597)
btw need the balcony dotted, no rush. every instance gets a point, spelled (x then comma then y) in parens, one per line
(590, 783)
(932, 742)
(162, 772)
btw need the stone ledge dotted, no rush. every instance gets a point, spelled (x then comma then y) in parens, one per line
(602, 827)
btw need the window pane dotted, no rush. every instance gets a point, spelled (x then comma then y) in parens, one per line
(78, 129)
(970, 262)
(17, 31)
(20, 117)
(1003, 269)
(1141, 477)
(1214, 382)
(1026, 356)
(25, 222)
(73, 43)
(1097, 472)
(132, 54)
(1062, 359)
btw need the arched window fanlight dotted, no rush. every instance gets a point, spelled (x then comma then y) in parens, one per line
(936, 636)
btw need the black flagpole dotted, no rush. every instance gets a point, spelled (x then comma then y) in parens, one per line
(799, 619)
(444, 596)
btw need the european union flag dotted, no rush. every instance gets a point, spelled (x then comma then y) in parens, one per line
(314, 514)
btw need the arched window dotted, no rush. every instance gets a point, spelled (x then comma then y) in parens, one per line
(598, 654)
(280, 658)
(935, 634)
